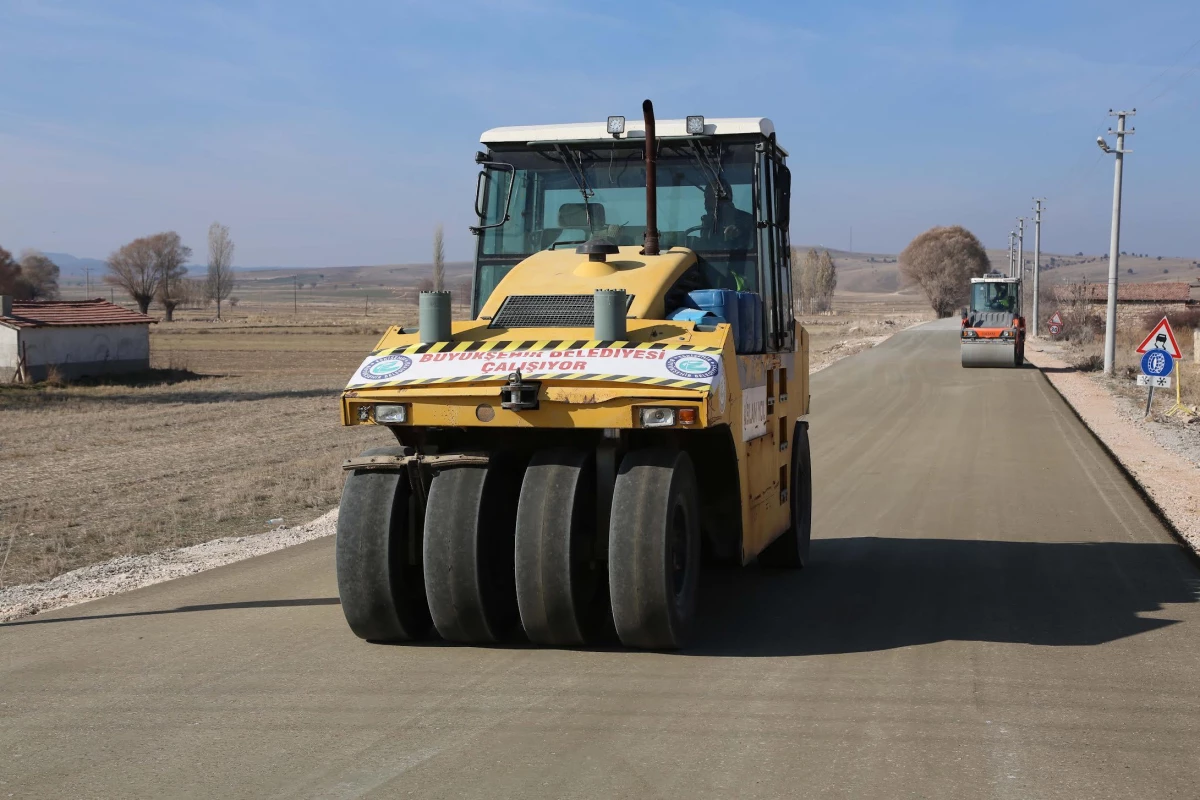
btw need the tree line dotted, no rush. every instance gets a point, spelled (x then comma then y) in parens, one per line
(148, 269)
(153, 268)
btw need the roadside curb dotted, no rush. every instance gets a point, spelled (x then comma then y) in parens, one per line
(1121, 439)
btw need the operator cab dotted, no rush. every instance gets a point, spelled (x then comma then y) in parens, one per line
(723, 192)
(993, 294)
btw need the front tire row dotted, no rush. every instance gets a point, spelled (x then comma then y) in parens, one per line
(502, 546)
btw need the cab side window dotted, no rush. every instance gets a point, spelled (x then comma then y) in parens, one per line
(774, 250)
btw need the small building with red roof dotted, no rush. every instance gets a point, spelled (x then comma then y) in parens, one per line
(75, 338)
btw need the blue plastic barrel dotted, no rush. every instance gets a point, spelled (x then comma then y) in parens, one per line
(722, 303)
(750, 315)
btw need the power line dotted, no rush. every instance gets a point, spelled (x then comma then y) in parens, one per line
(1171, 86)
(1166, 69)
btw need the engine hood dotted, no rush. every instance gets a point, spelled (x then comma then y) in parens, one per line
(565, 272)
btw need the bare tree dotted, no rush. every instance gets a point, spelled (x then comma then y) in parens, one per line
(824, 282)
(10, 276)
(170, 255)
(220, 264)
(132, 267)
(439, 260)
(942, 261)
(40, 275)
(807, 282)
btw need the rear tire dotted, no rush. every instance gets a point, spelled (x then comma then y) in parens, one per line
(654, 548)
(557, 576)
(791, 549)
(381, 590)
(468, 552)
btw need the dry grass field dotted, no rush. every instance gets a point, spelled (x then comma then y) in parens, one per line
(238, 426)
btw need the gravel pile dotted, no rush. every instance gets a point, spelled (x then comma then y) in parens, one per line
(133, 572)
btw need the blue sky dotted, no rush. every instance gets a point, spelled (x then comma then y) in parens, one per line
(341, 133)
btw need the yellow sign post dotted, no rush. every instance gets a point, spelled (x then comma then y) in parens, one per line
(1179, 406)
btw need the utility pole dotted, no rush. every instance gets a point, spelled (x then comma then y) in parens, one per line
(87, 280)
(1110, 327)
(295, 296)
(1012, 253)
(1021, 247)
(1037, 260)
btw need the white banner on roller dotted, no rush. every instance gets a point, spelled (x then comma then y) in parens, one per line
(668, 363)
(754, 412)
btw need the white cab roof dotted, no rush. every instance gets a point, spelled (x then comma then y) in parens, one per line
(634, 129)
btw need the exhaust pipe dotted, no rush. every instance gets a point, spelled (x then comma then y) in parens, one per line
(650, 248)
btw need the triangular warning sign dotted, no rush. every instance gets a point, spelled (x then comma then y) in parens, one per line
(1056, 319)
(1161, 338)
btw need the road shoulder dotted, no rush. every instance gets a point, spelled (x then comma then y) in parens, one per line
(127, 573)
(1170, 482)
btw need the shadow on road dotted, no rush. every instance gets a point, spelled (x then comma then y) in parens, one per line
(311, 601)
(866, 594)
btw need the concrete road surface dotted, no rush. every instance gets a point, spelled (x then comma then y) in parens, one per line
(992, 612)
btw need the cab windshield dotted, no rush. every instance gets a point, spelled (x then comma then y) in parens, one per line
(564, 194)
(993, 297)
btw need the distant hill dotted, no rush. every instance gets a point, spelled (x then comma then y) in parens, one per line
(73, 267)
(876, 273)
(870, 273)
(380, 275)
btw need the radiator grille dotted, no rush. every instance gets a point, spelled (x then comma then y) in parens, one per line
(547, 311)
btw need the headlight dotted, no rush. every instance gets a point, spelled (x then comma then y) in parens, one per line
(968, 334)
(1006, 334)
(695, 125)
(658, 417)
(391, 414)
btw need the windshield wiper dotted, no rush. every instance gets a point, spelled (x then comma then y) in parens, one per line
(570, 156)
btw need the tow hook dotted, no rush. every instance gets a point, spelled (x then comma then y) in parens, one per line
(519, 395)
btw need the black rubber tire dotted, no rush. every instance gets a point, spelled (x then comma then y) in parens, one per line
(468, 552)
(382, 593)
(557, 575)
(791, 550)
(654, 548)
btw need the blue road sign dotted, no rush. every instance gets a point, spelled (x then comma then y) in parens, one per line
(1157, 363)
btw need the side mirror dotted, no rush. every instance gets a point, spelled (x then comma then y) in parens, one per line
(496, 180)
(783, 197)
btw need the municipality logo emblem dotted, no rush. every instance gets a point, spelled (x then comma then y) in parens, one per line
(693, 366)
(387, 367)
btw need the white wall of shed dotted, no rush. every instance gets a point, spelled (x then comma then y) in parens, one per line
(76, 344)
(9, 351)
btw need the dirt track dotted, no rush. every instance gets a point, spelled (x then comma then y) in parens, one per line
(992, 612)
